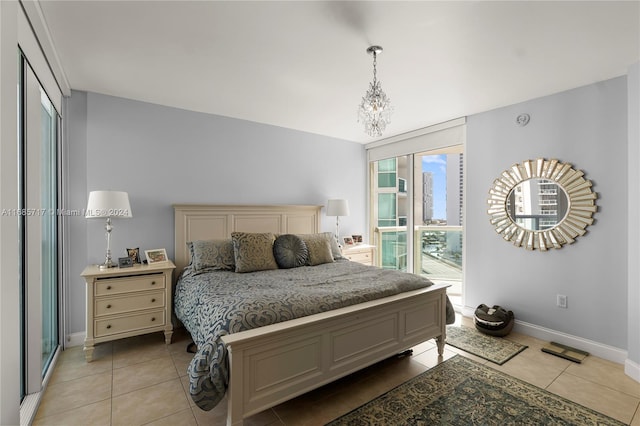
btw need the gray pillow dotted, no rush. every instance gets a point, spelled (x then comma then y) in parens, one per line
(290, 251)
(212, 255)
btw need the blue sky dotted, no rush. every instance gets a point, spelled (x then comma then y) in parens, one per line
(437, 164)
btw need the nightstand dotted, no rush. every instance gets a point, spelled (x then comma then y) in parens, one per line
(361, 253)
(125, 302)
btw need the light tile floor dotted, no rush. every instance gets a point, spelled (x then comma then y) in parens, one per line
(142, 381)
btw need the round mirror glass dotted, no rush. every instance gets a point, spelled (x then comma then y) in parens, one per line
(541, 204)
(537, 204)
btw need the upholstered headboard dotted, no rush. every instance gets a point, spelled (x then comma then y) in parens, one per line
(210, 222)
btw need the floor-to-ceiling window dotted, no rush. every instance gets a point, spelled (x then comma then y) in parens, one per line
(416, 205)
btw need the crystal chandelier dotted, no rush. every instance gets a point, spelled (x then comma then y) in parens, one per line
(375, 109)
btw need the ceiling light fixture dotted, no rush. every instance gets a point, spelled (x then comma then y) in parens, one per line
(375, 109)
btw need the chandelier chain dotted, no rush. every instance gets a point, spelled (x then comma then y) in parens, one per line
(375, 62)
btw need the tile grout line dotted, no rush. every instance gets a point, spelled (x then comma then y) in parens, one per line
(601, 384)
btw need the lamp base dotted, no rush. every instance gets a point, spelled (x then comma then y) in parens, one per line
(108, 263)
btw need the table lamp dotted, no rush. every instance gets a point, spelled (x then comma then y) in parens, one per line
(108, 204)
(337, 208)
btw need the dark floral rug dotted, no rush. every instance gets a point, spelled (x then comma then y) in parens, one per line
(495, 349)
(460, 392)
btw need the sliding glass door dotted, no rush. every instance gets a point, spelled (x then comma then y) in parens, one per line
(38, 144)
(438, 205)
(49, 235)
(416, 205)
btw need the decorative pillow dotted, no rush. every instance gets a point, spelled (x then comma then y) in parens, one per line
(212, 254)
(319, 248)
(335, 248)
(290, 251)
(253, 251)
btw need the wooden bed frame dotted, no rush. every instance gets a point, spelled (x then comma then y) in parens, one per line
(275, 363)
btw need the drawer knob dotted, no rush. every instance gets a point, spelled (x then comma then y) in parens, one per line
(108, 306)
(108, 287)
(108, 326)
(153, 283)
(153, 300)
(153, 318)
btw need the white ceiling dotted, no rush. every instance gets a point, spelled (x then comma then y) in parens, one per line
(303, 65)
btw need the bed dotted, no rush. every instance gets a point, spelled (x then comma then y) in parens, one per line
(312, 323)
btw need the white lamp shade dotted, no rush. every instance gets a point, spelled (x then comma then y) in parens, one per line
(337, 208)
(108, 204)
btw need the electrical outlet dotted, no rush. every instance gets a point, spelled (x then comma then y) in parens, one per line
(561, 301)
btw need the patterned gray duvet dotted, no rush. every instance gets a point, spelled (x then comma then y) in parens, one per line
(217, 303)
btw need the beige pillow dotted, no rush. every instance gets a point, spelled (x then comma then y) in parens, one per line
(319, 247)
(253, 251)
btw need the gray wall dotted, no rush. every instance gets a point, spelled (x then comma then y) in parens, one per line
(75, 180)
(586, 127)
(162, 156)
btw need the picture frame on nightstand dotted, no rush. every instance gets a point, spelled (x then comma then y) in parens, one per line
(134, 254)
(156, 256)
(347, 240)
(125, 262)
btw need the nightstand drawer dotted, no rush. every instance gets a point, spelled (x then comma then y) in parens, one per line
(130, 284)
(118, 305)
(364, 257)
(108, 326)
(361, 253)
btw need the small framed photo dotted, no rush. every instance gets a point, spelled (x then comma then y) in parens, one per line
(357, 239)
(134, 254)
(348, 240)
(156, 255)
(125, 262)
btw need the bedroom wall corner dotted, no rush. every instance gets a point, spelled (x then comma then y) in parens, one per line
(76, 164)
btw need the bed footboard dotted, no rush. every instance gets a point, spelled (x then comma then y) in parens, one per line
(273, 364)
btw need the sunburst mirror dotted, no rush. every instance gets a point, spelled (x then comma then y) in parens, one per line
(541, 204)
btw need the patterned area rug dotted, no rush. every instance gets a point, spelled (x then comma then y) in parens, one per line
(460, 392)
(494, 349)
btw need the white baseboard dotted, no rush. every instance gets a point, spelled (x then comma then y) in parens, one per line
(632, 370)
(75, 339)
(600, 350)
(467, 311)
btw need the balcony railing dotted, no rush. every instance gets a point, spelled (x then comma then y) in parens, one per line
(437, 250)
